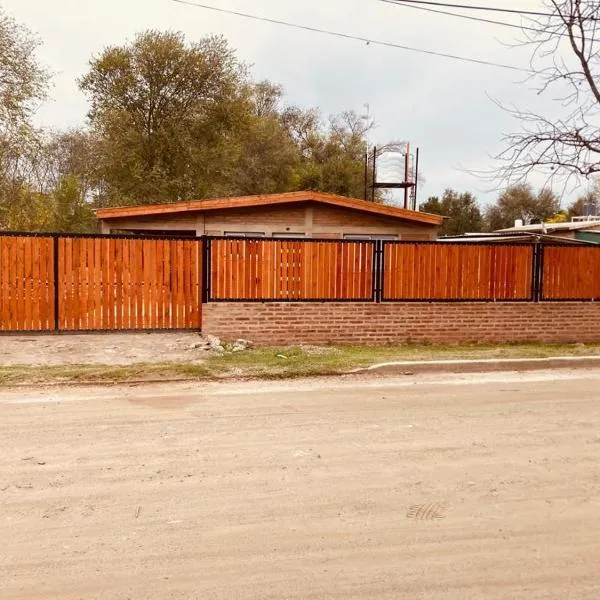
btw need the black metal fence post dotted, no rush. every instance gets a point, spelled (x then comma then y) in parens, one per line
(541, 273)
(374, 271)
(536, 275)
(381, 269)
(378, 270)
(206, 269)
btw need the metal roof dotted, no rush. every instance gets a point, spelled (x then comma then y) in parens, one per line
(550, 227)
(520, 237)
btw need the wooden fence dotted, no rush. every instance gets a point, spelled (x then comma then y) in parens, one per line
(99, 283)
(570, 273)
(27, 298)
(276, 270)
(88, 283)
(243, 269)
(441, 271)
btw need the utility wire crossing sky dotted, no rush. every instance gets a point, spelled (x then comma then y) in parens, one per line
(352, 37)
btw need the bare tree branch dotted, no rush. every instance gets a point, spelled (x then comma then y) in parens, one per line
(566, 63)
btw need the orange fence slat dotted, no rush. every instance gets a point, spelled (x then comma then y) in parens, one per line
(145, 250)
(27, 272)
(97, 284)
(128, 293)
(160, 275)
(136, 291)
(37, 286)
(7, 284)
(52, 287)
(167, 285)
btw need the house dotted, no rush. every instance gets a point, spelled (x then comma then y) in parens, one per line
(293, 214)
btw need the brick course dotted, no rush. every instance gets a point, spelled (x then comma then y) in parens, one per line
(278, 217)
(371, 323)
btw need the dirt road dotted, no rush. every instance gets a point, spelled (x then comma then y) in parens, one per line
(485, 487)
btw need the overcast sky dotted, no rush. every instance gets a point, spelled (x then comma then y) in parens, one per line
(441, 105)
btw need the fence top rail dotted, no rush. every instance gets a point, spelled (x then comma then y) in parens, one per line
(586, 299)
(101, 236)
(442, 244)
(241, 238)
(570, 246)
(358, 241)
(365, 299)
(150, 236)
(135, 236)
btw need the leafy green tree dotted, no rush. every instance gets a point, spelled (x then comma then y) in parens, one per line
(259, 156)
(589, 200)
(176, 120)
(432, 206)
(23, 85)
(23, 82)
(75, 153)
(520, 202)
(71, 212)
(332, 152)
(266, 158)
(163, 110)
(461, 211)
(26, 210)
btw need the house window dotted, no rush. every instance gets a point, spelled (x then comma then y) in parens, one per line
(245, 233)
(288, 234)
(367, 236)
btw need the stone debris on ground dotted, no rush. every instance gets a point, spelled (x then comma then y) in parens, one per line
(240, 345)
(214, 343)
(211, 343)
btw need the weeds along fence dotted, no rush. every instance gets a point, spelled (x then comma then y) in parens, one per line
(51, 282)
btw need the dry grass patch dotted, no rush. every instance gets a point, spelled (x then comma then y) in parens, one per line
(284, 362)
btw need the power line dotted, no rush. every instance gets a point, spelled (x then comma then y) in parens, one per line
(453, 14)
(348, 36)
(485, 8)
(403, 4)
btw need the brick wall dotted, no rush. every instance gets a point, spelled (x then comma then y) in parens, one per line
(327, 219)
(328, 216)
(271, 217)
(367, 322)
